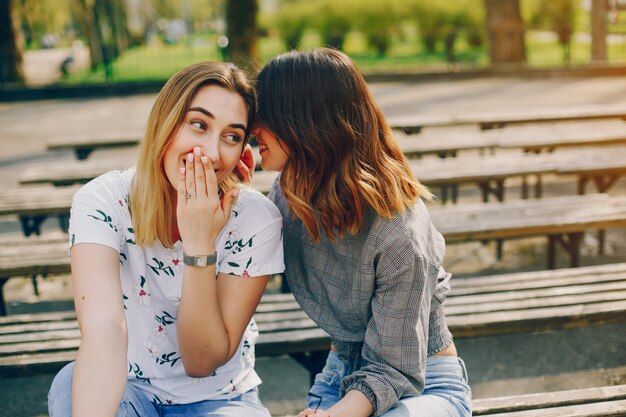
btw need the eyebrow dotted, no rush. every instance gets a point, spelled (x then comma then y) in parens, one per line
(212, 117)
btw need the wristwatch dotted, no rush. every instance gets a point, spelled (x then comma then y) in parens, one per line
(200, 261)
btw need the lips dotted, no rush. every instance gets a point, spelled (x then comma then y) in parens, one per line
(262, 148)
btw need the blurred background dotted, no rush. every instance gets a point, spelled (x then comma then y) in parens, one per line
(44, 42)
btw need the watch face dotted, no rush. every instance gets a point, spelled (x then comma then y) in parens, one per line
(201, 260)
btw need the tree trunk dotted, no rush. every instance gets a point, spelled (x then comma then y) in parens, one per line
(505, 32)
(10, 53)
(91, 30)
(242, 33)
(599, 9)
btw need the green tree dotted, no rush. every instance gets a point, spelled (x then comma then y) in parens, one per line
(242, 33)
(10, 52)
(292, 19)
(377, 21)
(505, 31)
(557, 16)
(333, 22)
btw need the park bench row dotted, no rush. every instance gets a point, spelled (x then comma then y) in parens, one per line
(601, 167)
(480, 306)
(607, 401)
(564, 220)
(441, 142)
(487, 120)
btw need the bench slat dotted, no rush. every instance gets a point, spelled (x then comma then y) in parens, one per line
(546, 400)
(509, 293)
(602, 409)
(541, 319)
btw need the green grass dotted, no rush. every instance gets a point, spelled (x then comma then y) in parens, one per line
(159, 61)
(153, 62)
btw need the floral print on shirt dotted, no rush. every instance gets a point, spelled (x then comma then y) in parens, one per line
(151, 278)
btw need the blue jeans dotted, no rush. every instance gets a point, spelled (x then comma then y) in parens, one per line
(446, 392)
(136, 404)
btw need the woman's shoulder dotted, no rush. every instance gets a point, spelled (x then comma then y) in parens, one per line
(111, 187)
(117, 181)
(252, 202)
(412, 228)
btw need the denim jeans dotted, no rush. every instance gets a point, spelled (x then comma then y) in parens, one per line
(136, 404)
(446, 392)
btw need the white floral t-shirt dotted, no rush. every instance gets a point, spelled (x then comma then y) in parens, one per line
(249, 245)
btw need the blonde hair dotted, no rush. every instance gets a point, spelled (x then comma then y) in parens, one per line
(151, 199)
(343, 157)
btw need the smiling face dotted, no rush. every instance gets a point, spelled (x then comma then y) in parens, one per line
(273, 154)
(215, 121)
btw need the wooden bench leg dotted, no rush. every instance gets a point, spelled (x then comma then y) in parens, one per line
(3, 306)
(570, 242)
(313, 362)
(495, 187)
(31, 224)
(64, 222)
(582, 184)
(35, 285)
(455, 192)
(538, 187)
(284, 285)
(444, 193)
(82, 153)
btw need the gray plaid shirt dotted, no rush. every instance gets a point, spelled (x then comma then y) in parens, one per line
(378, 294)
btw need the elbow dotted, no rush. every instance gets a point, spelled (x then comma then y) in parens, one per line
(195, 371)
(204, 364)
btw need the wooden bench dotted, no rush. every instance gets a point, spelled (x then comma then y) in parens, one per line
(32, 257)
(84, 146)
(443, 143)
(33, 205)
(607, 401)
(602, 167)
(563, 219)
(493, 119)
(480, 306)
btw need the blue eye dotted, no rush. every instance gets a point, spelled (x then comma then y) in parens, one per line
(233, 138)
(198, 124)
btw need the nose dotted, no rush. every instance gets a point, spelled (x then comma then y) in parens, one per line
(212, 150)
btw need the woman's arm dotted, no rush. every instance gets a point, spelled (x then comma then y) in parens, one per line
(100, 372)
(213, 316)
(214, 311)
(353, 404)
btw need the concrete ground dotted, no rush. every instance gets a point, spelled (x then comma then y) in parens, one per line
(502, 365)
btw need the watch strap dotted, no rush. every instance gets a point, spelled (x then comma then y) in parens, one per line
(200, 261)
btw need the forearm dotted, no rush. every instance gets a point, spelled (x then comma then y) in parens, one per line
(202, 334)
(353, 404)
(100, 374)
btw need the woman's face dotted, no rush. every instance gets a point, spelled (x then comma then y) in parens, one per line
(273, 156)
(215, 121)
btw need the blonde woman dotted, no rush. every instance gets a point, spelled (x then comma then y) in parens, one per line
(169, 261)
(362, 256)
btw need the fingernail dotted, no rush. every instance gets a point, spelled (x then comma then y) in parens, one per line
(182, 170)
(196, 150)
(204, 159)
(190, 157)
(235, 194)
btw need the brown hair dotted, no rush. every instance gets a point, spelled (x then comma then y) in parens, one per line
(343, 156)
(151, 199)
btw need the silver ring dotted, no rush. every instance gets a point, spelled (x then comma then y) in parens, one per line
(189, 195)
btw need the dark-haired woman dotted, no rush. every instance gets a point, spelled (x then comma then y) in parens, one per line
(362, 256)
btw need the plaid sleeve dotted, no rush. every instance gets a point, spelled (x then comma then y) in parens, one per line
(394, 352)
